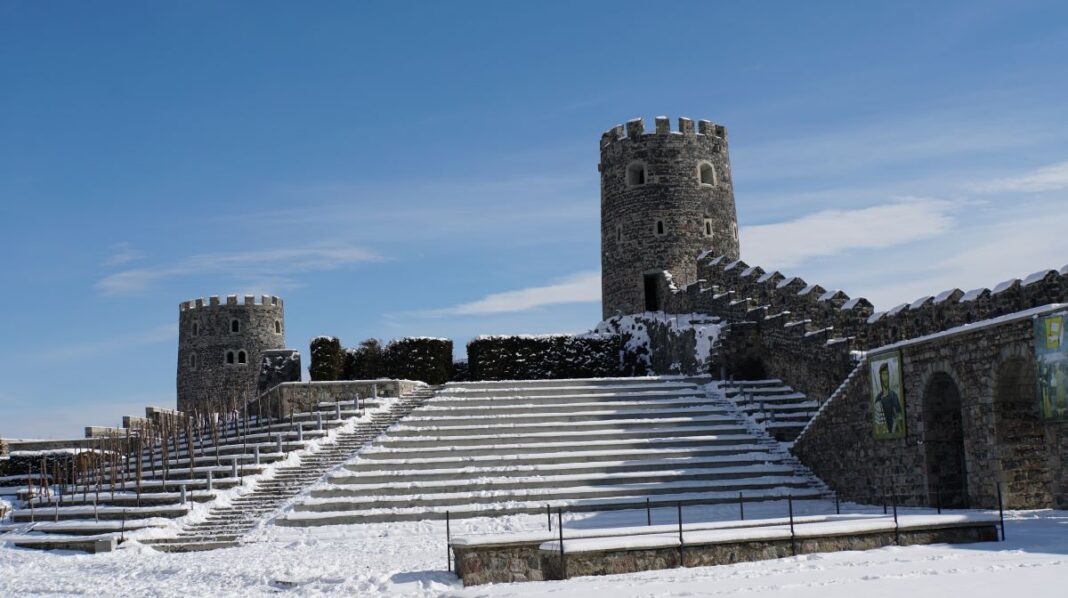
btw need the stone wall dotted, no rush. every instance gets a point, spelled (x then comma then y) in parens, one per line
(972, 422)
(297, 397)
(659, 343)
(726, 553)
(278, 366)
(525, 561)
(805, 334)
(506, 563)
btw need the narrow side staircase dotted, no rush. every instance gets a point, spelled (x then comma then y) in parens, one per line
(772, 405)
(225, 525)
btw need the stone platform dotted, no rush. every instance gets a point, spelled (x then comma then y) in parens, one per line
(535, 557)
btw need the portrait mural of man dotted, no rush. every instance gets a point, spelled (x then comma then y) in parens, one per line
(1051, 362)
(887, 397)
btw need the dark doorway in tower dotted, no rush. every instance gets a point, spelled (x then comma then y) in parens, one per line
(652, 292)
(943, 423)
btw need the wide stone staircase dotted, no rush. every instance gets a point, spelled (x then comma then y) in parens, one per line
(496, 448)
(160, 483)
(772, 405)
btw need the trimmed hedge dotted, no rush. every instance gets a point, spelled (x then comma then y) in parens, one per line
(366, 362)
(426, 359)
(327, 359)
(544, 357)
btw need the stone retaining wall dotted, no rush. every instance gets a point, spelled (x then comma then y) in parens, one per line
(296, 397)
(525, 561)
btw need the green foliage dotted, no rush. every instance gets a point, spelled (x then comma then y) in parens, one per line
(544, 357)
(426, 359)
(366, 362)
(327, 359)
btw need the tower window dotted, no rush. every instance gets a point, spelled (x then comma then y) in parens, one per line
(230, 357)
(235, 326)
(196, 328)
(707, 173)
(192, 361)
(242, 358)
(619, 233)
(277, 327)
(659, 227)
(708, 227)
(635, 174)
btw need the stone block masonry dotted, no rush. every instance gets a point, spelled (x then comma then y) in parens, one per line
(972, 423)
(806, 335)
(220, 347)
(537, 560)
(665, 197)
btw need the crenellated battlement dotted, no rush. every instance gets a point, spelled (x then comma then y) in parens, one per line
(635, 129)
(231, 301)
(855, 318)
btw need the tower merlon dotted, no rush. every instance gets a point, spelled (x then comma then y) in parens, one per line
(231, 301)
(635, 129)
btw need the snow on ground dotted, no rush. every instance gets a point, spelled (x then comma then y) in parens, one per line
(409, 559)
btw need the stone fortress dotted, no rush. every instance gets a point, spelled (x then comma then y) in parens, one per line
(669, 245)
(789, 409)
(974, 433)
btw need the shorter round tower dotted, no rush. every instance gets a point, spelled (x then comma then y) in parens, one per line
(220, 346)
(666, 196)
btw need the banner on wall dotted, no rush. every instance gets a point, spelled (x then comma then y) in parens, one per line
(1051, 360)
(887, 396)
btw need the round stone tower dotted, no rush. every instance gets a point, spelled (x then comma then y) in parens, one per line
(219, 349)
(666, 196)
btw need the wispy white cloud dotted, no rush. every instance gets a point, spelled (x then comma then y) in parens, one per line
(937, 137)
(159, 334)
(832, 232)
(123, 253)
(246, 265)
(498, 211)
(1048, 178)
(581, 287)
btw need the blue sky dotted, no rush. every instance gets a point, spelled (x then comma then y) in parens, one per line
(397, 169)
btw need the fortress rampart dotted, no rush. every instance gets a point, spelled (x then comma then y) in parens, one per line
(806, 334)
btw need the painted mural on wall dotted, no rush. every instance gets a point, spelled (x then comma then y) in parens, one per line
(1051, 360)
(887, 396)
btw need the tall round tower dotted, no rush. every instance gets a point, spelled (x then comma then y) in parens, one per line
(219, 349)
(665, 197)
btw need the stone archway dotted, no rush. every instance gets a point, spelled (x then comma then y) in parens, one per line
(943, 439)
(1020, 437)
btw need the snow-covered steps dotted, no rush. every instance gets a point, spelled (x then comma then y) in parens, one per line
(772, 405)
(513, 447)
(165, 481)
(225, 525)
